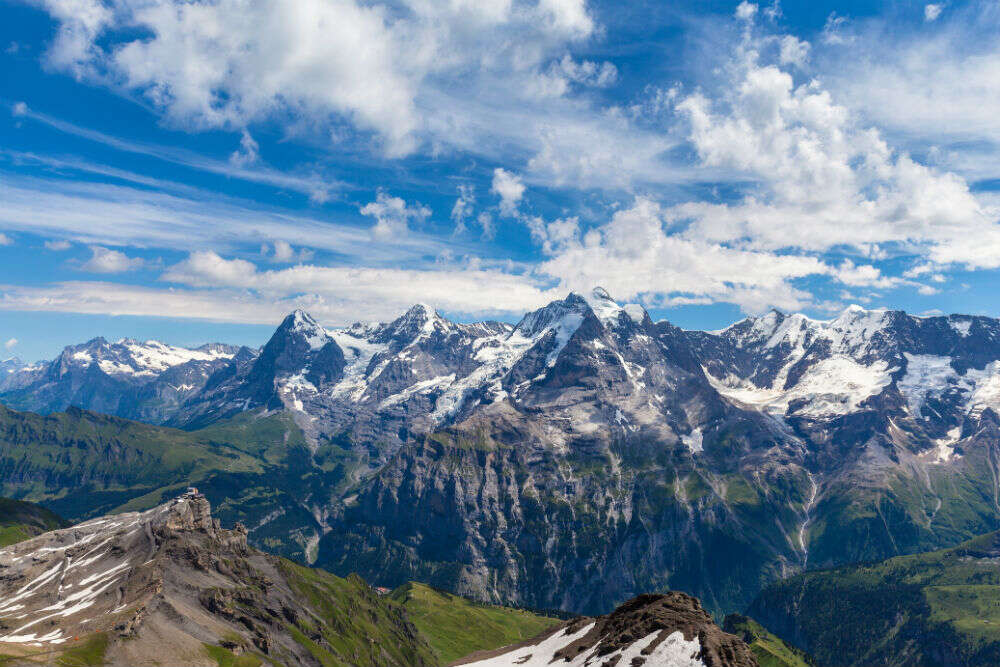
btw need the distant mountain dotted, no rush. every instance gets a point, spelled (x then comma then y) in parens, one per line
(20, 521)
(137, 380)
(583, 455)
(935, 609)
(670, 630)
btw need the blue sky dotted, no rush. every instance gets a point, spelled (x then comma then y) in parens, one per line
(192, 171)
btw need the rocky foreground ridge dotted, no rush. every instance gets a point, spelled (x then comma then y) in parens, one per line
(170, 586)
(670, 630)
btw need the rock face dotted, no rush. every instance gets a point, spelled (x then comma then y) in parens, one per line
(587, 453)
(169, 586)
(670, 630)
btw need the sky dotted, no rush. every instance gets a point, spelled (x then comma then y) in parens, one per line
(193, 170)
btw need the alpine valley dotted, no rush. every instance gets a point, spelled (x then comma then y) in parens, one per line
(571, 461)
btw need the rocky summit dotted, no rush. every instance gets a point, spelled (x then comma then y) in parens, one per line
(169, 586)
(670, 630)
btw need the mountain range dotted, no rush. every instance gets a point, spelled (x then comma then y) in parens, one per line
(572, 460)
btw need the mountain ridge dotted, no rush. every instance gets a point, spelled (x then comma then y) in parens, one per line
(587, 438)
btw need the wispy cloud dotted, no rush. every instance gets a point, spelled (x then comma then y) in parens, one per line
(316, 187)
(116, 215)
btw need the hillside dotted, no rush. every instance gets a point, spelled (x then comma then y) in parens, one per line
(20, 520)
(934, 609)
(170, 586)
(769, 649)
(255, 469)
(455, 627)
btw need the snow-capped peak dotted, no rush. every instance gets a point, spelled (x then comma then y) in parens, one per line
(304, 325)
(607, 309)
(303, 320)
(424, 315)
(418, 322)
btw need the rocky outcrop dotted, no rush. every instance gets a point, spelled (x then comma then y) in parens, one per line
(670, 630)
(170, 586)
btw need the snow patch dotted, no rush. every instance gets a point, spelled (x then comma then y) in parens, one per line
(694, 441)
(961, 327)
(831, 387)
(672, 651)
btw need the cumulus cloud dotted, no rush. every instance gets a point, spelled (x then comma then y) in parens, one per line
(932, 11)
(509, 187)
(58, 246)
(229, 63)
(5, 240)
(746, 10)
(793, 51)
(106, 260)
(283, 252)
(823, 179)
(635, 254)
(393, 215)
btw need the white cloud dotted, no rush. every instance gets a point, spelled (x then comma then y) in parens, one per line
(58, 246)
(10, 344)
(487, 224)
(19, 109)
(586, 72)
(315, 187)
(247, 153)
(510, 189)
(635, 254)
(932, 11)
(5, 240)
(229, 63)
(463, 207)
(932, 88)
(835, 30)
(283, 252)
(392, 215)
(746, 10)
(101, 214)
(793, 51)
(824, 180)
(346, 294)
(340, 296)
(106, 260)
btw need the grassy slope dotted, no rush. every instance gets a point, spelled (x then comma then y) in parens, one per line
(21, 520)
(767, 647)
(359, 628)
(927, 609)
(84, 464)
(455, 627)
